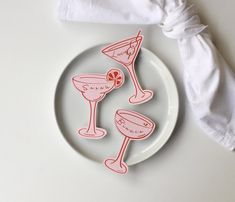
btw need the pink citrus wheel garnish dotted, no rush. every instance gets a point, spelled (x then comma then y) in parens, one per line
(117, 76)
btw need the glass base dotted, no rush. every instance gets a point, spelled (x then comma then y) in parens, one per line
(141, 98)
(116, 166)
(98, 134)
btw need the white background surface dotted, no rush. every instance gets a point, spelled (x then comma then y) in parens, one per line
(36, 163)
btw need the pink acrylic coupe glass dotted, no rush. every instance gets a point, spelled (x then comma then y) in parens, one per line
(133, 126)
(94, 88)
(125, 53)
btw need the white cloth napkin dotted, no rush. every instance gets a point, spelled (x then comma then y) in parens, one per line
(209, 81)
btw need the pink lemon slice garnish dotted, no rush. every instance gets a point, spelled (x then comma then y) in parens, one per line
(117, 76)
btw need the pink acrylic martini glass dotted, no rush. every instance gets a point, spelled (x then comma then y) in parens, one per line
(133, 126)
(94, 88)
(125, 53)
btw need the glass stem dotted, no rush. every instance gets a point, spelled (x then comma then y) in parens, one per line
(131, 70)
(92, 120)
(121, 153)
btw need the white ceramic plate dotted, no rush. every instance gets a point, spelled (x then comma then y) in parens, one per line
(72, 110)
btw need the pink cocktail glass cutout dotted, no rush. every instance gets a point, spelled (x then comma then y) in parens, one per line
(125, 53)
(94, 88)
(133, 126)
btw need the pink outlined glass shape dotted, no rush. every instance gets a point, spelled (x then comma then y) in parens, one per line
(94, 88)
(134, 126)
(125, 53)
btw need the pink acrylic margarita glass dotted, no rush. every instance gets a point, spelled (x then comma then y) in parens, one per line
(94, 88)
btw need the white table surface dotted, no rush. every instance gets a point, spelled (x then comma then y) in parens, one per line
(37, 165)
